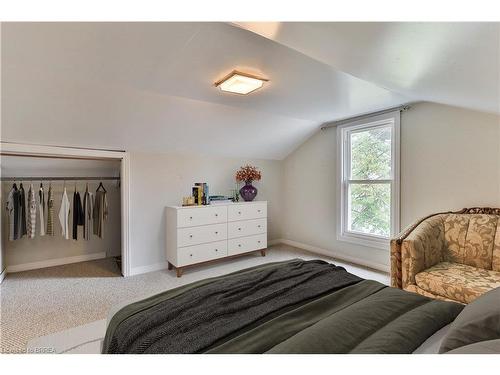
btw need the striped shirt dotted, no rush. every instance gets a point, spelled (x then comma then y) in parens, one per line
(31, 212)
(50, 213)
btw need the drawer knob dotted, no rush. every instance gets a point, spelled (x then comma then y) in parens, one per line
(216, 215)
(190, 218)
(216, 232)
(258, 241)
(258, 210)
(239, 212)
(239, 228)
(239, 245)
(216, 250)
(190, 236)
(190, 255)
(258, 226)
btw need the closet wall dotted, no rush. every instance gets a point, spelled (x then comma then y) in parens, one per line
(33, 253)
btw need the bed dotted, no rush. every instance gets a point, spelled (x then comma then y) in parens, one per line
(295, 306)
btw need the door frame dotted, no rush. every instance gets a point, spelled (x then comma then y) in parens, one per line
(20, 149)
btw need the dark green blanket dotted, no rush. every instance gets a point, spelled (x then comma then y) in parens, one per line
(288, 307)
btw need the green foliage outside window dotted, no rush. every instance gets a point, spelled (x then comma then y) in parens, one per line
(370, 203)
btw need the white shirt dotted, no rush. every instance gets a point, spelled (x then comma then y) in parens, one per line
(64, 215)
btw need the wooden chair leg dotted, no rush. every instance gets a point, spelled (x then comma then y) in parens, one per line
(179, 272)
(263, 253)
(169, 266)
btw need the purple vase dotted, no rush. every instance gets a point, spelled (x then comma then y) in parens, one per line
(248, 192)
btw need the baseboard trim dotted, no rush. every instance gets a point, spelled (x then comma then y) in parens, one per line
(2, 275)
(335, 255)
(313, 249)
(149, 268)
(55, 262)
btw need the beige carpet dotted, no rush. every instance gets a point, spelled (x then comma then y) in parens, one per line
(40, 302)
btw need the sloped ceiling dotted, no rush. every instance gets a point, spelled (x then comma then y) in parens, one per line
(449, 63)
(149, 86)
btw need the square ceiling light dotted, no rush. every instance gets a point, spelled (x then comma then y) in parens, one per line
(240, 83)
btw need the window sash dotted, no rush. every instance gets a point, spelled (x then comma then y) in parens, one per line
(344, 133)
(347, 212)
(347, 171)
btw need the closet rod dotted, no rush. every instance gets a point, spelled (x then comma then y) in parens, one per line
(57, 157)
(58, 178)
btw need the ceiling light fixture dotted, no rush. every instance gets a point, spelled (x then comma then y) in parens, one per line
(240, 83)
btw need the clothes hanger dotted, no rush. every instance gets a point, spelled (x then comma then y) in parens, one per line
(101, 186)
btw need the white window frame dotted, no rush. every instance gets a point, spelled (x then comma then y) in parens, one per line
(343, 167)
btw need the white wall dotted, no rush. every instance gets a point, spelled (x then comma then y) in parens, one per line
(449, 160)
(159, 180)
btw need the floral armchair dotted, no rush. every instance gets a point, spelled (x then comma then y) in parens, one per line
(451, 256)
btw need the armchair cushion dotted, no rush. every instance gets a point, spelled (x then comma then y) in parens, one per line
(479, 242)
(459, 282)
(469, 239)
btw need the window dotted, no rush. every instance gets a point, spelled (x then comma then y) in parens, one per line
(369, 180)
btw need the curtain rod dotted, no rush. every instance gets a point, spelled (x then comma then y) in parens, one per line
(333, 124)
(57, 178)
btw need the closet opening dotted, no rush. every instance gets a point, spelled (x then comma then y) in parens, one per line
(66, 210)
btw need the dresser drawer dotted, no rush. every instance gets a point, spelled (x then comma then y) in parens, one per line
(198, 235)
(246, 244)
(189, 217)
(201, 253)
(247, 211)
(246, 228)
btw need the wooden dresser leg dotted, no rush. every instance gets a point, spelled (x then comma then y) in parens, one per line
(169, 266)
(263, 253)
(179, 272)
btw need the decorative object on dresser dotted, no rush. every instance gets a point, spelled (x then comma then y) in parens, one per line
(248, 174)
(201, 234)
(449, 255)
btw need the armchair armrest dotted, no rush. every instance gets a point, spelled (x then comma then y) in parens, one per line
(417, 248)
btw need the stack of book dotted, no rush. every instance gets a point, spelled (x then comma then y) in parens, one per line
(200, 193)
(214, 199)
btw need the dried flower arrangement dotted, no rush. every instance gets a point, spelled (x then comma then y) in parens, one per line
(248, 174)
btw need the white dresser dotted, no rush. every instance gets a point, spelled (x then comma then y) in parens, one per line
(205, 233)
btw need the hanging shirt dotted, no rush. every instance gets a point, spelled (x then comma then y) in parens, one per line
(100, 212)
(77, 214)
(17, 211)
(12, 210)
(50, 212)
(31, 213)
(41, 209)
(64, 215)
(88, 205)
(22, 212)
